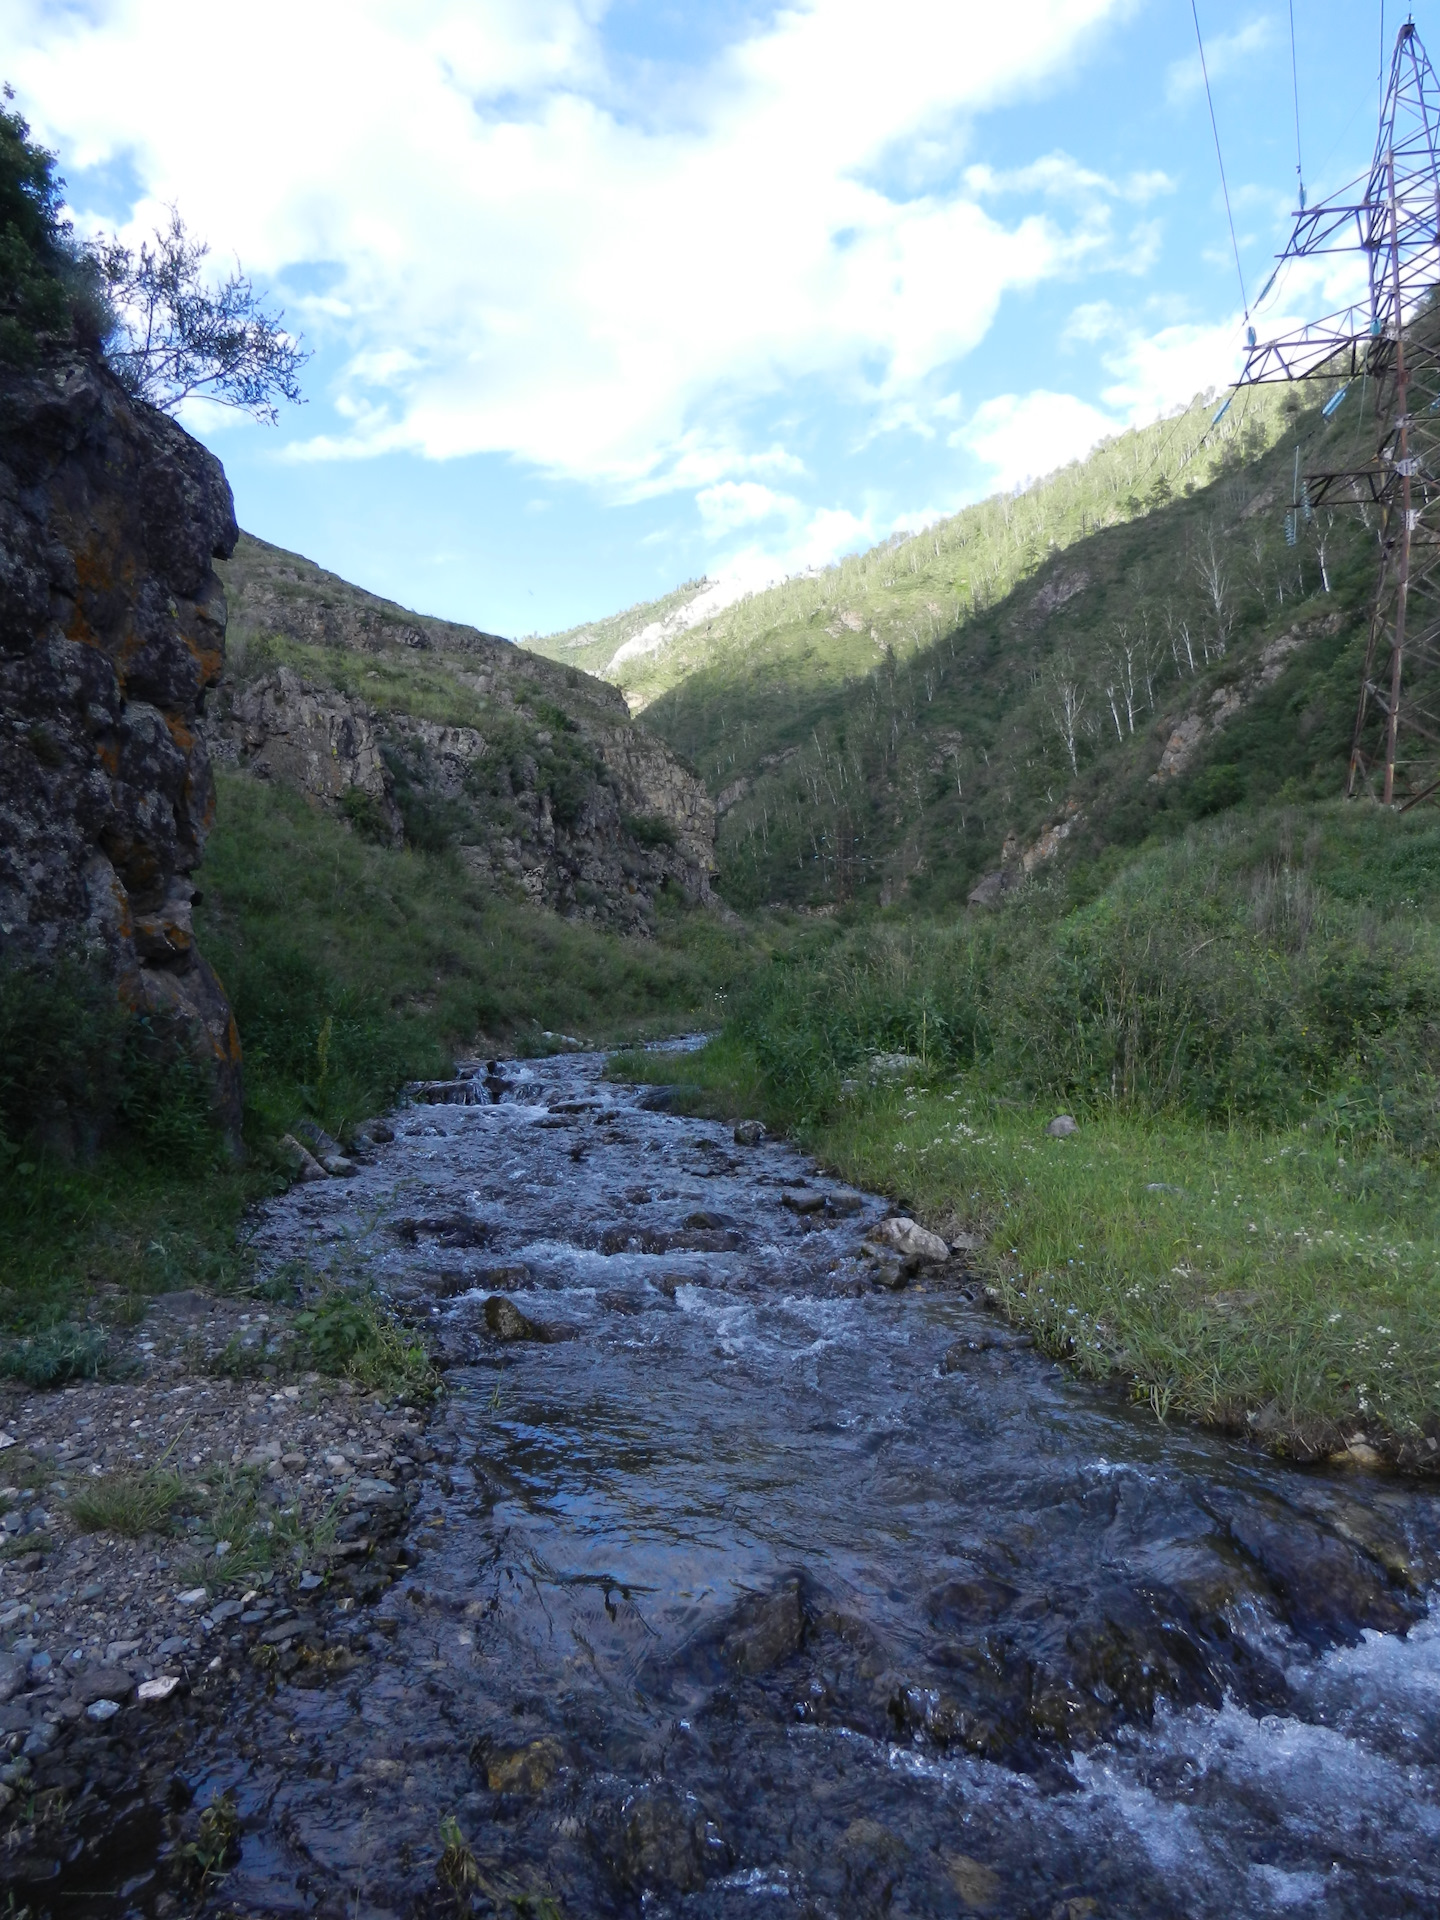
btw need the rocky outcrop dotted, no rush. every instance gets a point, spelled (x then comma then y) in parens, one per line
(1185, 737)
(538, 779)
(112, 628)
(1019, 862)
(312, 738)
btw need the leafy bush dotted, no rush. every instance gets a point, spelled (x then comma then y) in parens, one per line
(48, 285)
(364, 813)
(79, 1071)
(348, 1335)
(649, 829)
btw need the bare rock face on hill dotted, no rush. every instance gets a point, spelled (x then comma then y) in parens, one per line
(307, 737)
(112, 628)
(422, 730)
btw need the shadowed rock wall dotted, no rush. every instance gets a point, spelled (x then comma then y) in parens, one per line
(421, 729)
(112, 628)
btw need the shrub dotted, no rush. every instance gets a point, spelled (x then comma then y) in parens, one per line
(649, 829)
(349, 1335)
(1197, 983)
(365, 815)
(58, 1354)
(79, 1071)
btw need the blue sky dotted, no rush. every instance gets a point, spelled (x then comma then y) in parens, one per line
(603, 297)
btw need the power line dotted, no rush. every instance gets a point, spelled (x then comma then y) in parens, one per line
(1220, 159)
(1295, 88)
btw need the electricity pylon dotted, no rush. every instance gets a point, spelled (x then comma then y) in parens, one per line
(1381, 452)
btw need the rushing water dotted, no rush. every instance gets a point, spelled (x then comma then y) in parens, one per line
(759, 1589)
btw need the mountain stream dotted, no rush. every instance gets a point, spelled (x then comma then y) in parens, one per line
(755, 1588)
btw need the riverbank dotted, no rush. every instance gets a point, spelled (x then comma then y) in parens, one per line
(214, 1516)
(1269, 1284)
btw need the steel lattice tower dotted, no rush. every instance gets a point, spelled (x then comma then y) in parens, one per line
(1382, 453)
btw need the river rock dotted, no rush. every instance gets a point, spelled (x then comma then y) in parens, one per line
(749, 1133)
(506, 1322)
(766, 1629)
(1328, 1589)
(911, 1240)
(667, 1844)
(103, 1683)
(527, 1769)
(803, 1203)
(300, 1160)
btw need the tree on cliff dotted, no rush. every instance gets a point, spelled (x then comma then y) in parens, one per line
(165, 330)
(175, 336)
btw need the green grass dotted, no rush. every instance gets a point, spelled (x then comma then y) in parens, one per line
(353, 968)
(59, 1353)
(130, 1504)
(1246, 1227)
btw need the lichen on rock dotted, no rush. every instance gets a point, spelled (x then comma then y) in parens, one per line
(112, 629)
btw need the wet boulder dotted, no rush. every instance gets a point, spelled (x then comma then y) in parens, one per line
(803, 1203)
(451, 1230)
(667, 1843)
(766, 1629)
(959, 1604)
(1327, 1590)
(505, 1321)
(525, 1769)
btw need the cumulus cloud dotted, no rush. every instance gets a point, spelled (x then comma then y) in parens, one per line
(523, 258)
(738, 503)
(1154, 370)
(1020, 437)
(1061, 177)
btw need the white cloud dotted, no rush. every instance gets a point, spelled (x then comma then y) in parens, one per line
(528, 262)
(1020, 437)
(1222, 54)
(738, 503)
(1060, 177)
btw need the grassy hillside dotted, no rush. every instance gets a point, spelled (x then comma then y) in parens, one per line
(820, 630)
(1050, 705)
(594, 645)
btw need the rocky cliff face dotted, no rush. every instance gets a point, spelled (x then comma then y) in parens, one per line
(112, 628)
(416, 728)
